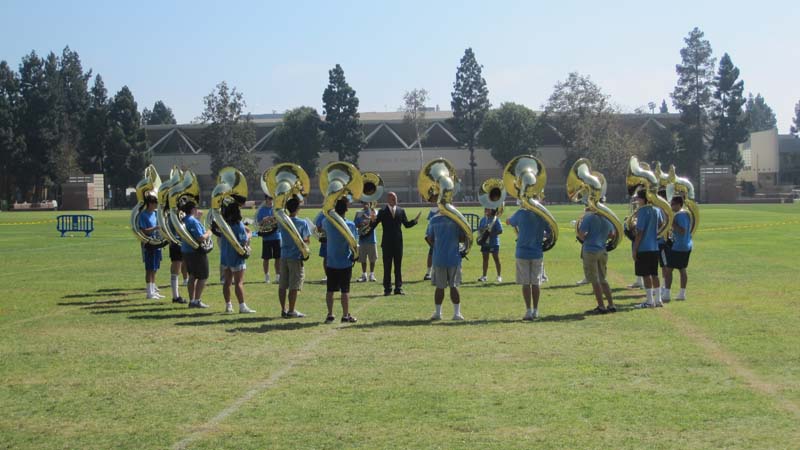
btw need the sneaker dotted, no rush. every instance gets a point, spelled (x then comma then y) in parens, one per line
(153, 297)
(228, 308)
(427, 277)
(535, 313)
(499, 279)
(324, 279)
(598, 310)
(482, 279)
(330, 319)
(180, 300)
(362, 278)
(544, 278)
(581, 282)
(636, 285)
(244, 309)
(284, 314)
(387, 293)
(277, 278)
(436, 316)
(458, 317)
(267, 279)
(644, 305)
(665, 299)
(399, 292)
(372, 277)
(528, 317)
(659, 304)
(197, 304)
(611, 309)
(349, 319)
(680, 297)
(295, 313)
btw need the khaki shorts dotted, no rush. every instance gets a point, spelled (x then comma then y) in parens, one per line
(443, 277)
(594, 266)
(368, 251)
(529, 271)
(292, 274)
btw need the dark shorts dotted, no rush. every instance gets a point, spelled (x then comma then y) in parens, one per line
(271, 249)
(339, 279)
(196, 264)
(646, 264)
(323, 250)
(490, 248)
(663, 251)
(678, 260)
(175, 253)
(151, 258)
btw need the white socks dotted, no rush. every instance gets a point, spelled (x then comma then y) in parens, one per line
(649, 294)
(457, 309)
(657, 295)
(173, 282)
(683, 293)
(438, 309)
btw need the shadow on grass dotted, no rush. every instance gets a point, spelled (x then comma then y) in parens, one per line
(170, 316)
(228, 320)
(96, 294)
(99, 302)
(128, 290)
(138, 310)
(116, 305)
(489, 284)
(280, 326)
(590, 292)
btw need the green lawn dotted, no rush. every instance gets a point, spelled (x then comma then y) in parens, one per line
(87, 362)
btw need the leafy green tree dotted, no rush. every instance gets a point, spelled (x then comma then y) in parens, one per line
(758, 116)
(127, 154)
(12, 143)
(470, 104)
(342, 130)
(795, 129)
(663, 109)
(75, 98)
(729, 129)
(509, 131)
(414, 115)
(662, 145)
(230, 135)
(160, 115)
(692, 98)
(96, 130)
(298, 138)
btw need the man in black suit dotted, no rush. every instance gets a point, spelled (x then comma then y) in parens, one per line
(392, 216)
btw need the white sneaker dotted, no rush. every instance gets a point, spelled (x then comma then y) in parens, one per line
(153, 297)
(535, 313)
(458, 317)
(482, 279)
(362, 278)
(266, 279)
(636, 285)
(659, 304)
(277, 278)
(499, 279)
(372, 277)
(680, 297)
(244, 309)
(644, 305)
(324, 278)
(436, 316)
(528, 316)
(228, 308)
(295, 313)
(581, 282)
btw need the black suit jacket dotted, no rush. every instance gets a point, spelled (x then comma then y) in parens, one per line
(392, 232)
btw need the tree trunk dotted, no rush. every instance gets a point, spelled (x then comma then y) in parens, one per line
(472, 169)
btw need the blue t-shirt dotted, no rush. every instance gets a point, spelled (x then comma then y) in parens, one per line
(339, 252)
(227, 254)
(147, 219)
(647, 218)
(446, 235)
(494, 235)
(289, 249)
(323, 248)
(531, 233)
(370, 238)
(597, 228)
(682, 242)
(195, 229)
(434, 211)
(266, 211)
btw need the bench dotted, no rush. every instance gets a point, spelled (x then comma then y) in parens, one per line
(80, 223)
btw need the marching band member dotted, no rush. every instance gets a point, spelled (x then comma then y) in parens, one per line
(271, 242)
(530, 257)
(645, 250)
(323, 243)
(339, 264)
(434, 211)
(492, 244)
(367, 243)
(594, 231)
(196, 260)
(678, 255)
(151, 256)
(443, 234)
(292, 266)
(234, 265)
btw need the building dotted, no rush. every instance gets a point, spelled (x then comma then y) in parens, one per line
(391, 150)
(771, 160)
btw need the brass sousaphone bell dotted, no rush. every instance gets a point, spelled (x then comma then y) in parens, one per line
(491, 195)
(371, 193)
(438, 180)
(282, 182)
(231, 189)
(588, 187)
(187, 190)
(147, 187)
(163, 212)
(338, 180)
(525, 178)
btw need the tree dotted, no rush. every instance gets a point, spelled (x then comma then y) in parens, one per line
(96, 130)
(75, 98)
(795, 128)
(692, 98)
(663, 109)
(470, 104)
(229, 135)
(12, 143)
(509, 131)
(414, 114)
(127, 154)
(342, 128)
(298, 138)
(160, 115)
(729, 129)
(758, 116)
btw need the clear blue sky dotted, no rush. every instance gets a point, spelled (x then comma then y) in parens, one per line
(278, 53)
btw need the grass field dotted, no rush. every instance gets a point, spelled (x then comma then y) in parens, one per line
(87, 363)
